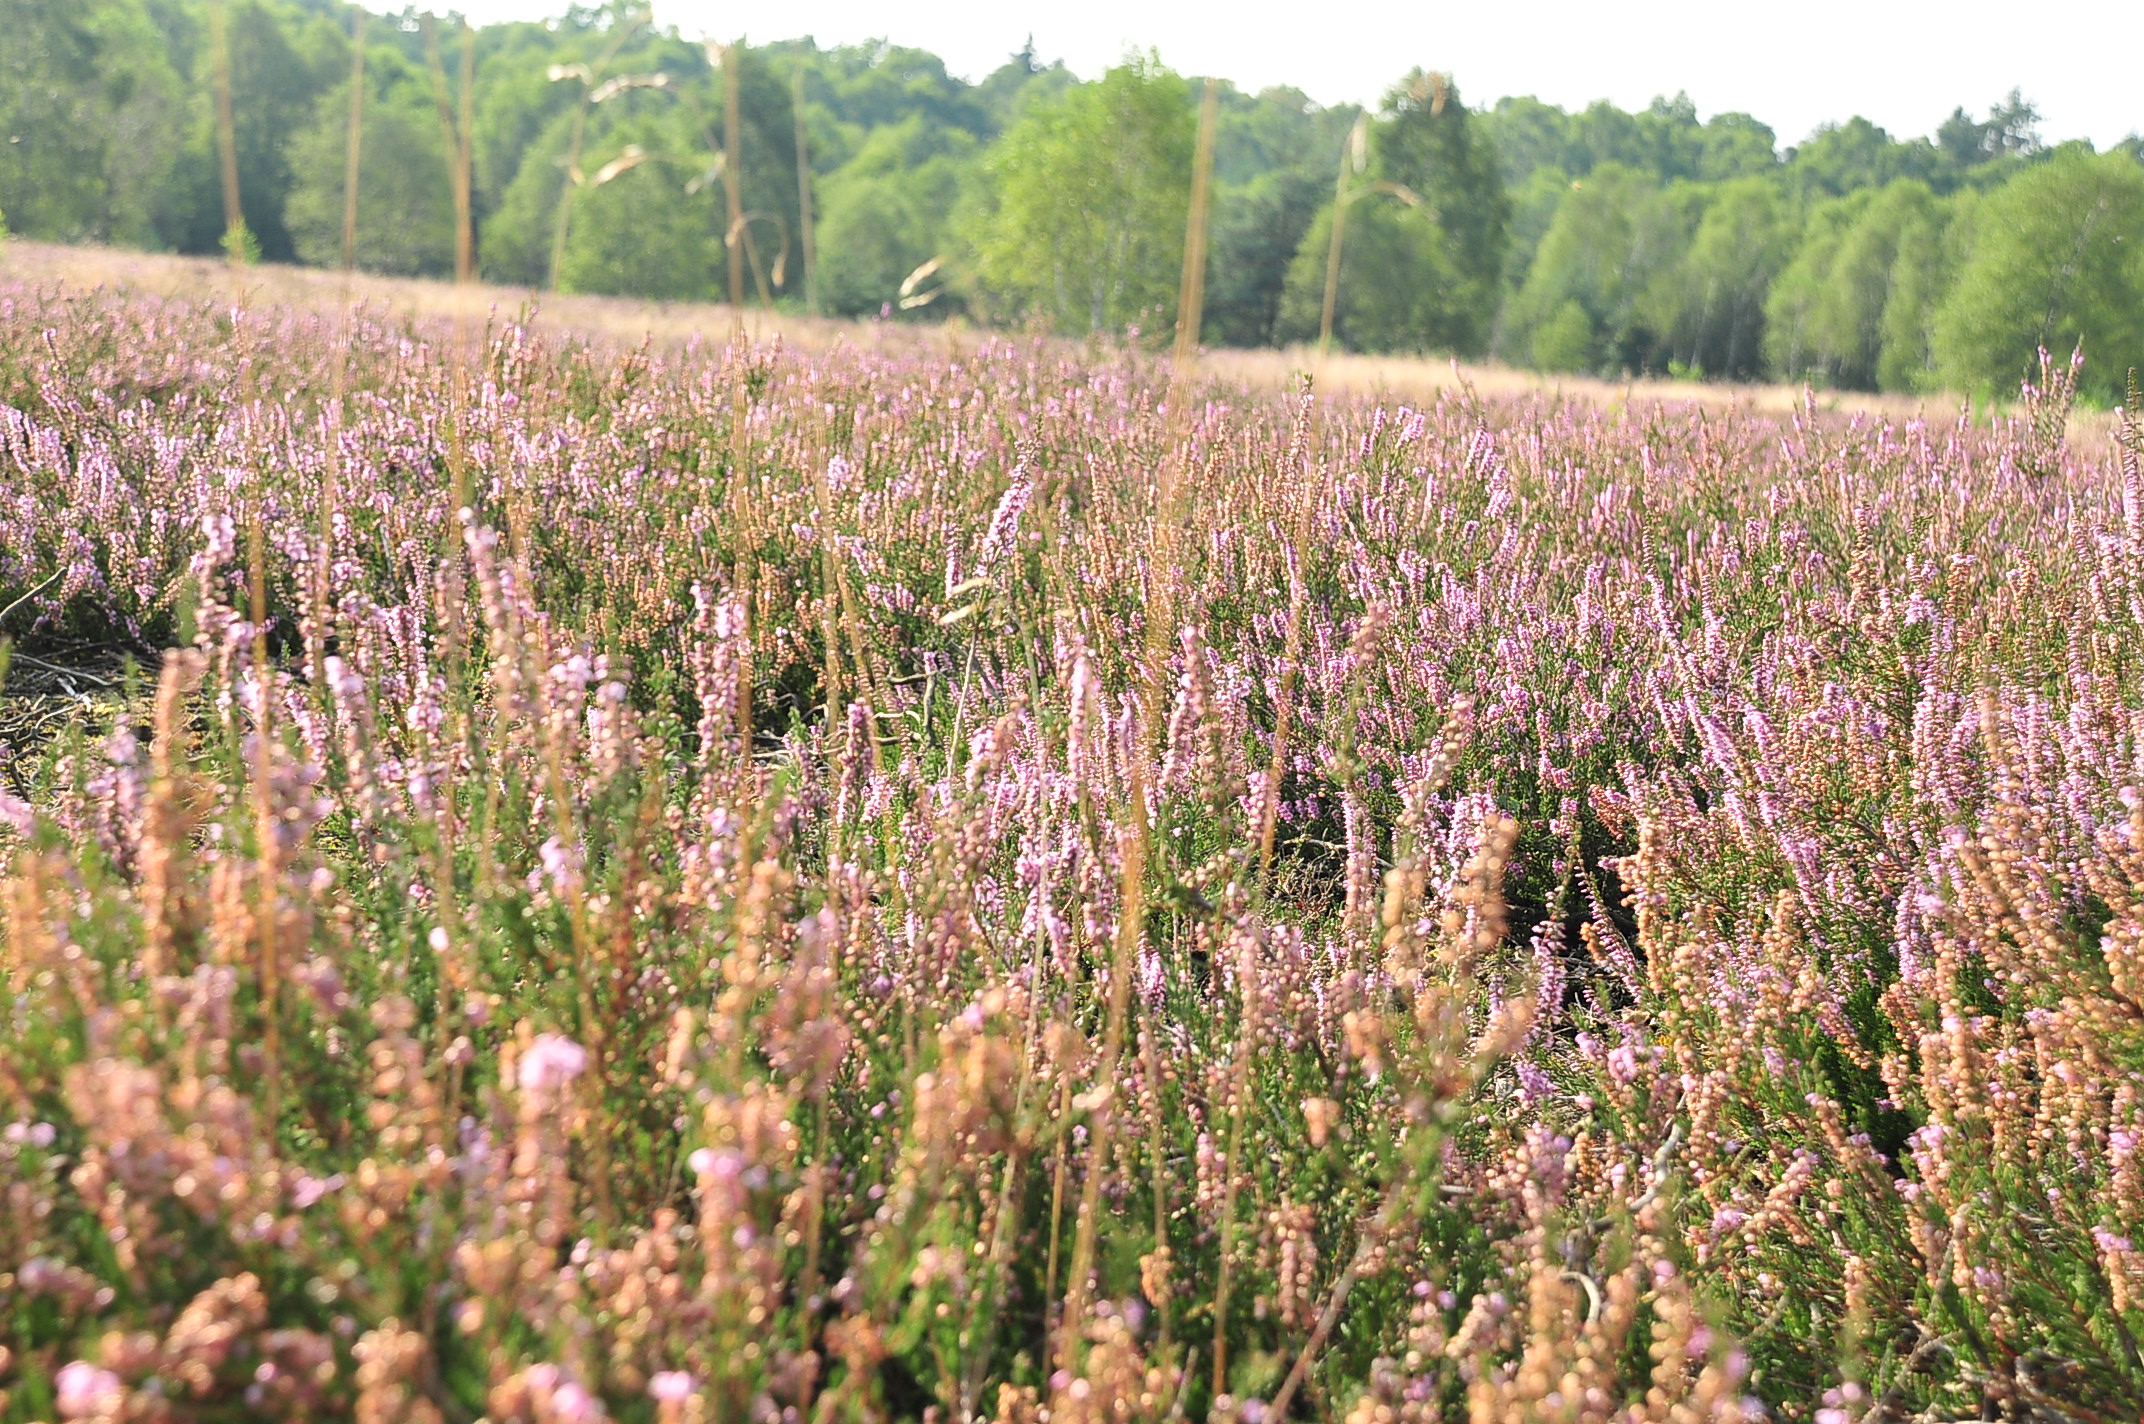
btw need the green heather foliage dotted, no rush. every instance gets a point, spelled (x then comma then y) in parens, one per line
(1598, 240)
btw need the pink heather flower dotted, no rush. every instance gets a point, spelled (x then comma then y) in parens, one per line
(561, 865)
(309, 1190)
(552, 1062)
(1005, 519)
(671, 1386)
(572, 1404)
(1623, 1064)
(15, 814)
(85, 1391)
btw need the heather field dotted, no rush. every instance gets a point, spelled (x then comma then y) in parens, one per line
(551, 881)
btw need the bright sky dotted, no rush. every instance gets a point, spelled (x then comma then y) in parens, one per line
(1902, 63)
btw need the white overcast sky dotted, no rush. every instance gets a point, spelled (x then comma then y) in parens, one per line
(1792, 63)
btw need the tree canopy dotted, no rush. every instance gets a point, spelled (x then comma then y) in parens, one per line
(1596, 240)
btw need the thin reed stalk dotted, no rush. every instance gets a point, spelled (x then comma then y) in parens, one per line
(353, 140)
(234, 218)
(811, 246)
(267, 846)
(1352, 161)
(465, 162)
(1191, 288)
(732, 178)
(455, 134)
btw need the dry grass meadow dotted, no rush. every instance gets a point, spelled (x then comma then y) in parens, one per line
(624, 319)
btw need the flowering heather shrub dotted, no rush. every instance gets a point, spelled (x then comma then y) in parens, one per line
(723, 886)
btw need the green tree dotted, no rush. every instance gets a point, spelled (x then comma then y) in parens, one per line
(2010, 131)
(2057, 259)
(90, 115)
(640, 235)
(1848, 325)
(516, 100)
(886, 212)
(1860, 282)
(677, 129)
(1664, 140)
(1602, 134)
(1426, 144)
(405, 206)
(1736, 146)
(1921, 276)
(1846, 158)
(514, 243)
(1708, 307)
(1273, 170)
(1082, 223)
(1258, 227)
(283, 58)
(1526, 136)
(1533, 207)
(1423, 248)
(867, 87)
(1023, 79)
(1597, 257)
(1792, 346)
(1397, 284)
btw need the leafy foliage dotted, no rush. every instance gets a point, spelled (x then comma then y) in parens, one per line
(1695, 247)
(1082, 222)
(2056, 262)
(405, 210)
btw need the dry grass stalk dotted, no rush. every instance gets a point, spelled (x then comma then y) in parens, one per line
(455, 131)
(732, 191)
(267, 846)
(167, 826)
(234, 220)
(811, 247)
(465, 160)
(587, 76)
(1352, 162)
(1191, 289)
(354, 140)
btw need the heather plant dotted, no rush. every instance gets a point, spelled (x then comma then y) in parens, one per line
(716, 884)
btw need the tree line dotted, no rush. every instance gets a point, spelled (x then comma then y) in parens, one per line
(604, 154)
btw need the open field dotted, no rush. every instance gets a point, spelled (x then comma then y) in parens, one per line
(622, 319)
(552, 881)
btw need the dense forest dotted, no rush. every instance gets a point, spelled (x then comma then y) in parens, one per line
(1596, 241)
